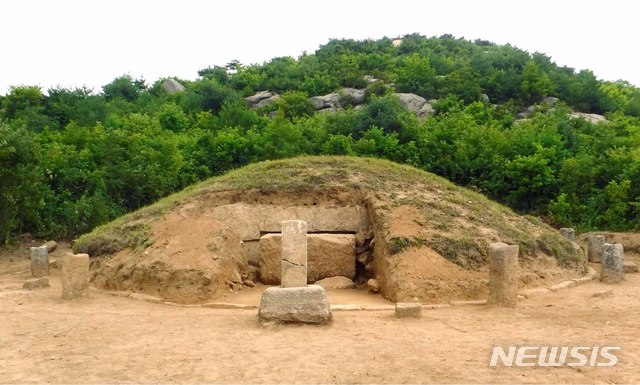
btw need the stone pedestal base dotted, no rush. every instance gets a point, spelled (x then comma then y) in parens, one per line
(295, 304)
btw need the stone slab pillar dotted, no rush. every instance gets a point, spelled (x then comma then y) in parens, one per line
(294, 254)
(39, 262)
(568, 233)
(595, 248)
(75, 275)
(503, 274)
(612, 263)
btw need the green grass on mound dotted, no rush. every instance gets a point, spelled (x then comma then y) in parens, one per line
(388, 181)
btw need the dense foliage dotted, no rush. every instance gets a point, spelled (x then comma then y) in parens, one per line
(72, 159)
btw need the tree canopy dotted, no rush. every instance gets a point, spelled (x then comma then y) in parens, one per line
(71, 159)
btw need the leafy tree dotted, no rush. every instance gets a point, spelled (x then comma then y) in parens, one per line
(535, 84)
(171, 117)
(22, 99)
(415, 75)
(294, 104)
(20, 181)
(208, 95)
(124, 87)
(71, 159)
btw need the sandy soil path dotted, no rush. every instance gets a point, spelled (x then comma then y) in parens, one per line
(106, 339)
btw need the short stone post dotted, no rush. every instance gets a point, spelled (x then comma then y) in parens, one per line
(568, 233)
(294, 254)
(612, 263)
(503, 274)
(75, 275)
(39, 262)
(595, 248)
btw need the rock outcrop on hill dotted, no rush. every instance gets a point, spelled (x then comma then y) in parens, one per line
(172, 86)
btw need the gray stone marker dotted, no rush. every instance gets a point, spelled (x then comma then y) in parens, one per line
(39, 262)
(408, 310)
(294, 254)
(612, 263)
(595, 248)
(75, 275)
(503, 274)
(568, 233)
(295, 301)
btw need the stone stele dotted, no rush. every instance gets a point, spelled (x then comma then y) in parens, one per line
(39, 262)
(503, 275)
(75, 275)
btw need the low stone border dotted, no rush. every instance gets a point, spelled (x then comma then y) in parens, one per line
(591, 274)
(223, 305)
(467, 303)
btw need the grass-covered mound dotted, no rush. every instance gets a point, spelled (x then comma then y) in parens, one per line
(430, 236)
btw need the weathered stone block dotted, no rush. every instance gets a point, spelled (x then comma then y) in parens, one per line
(50, 245)
(307, 304)
(582, 280)
(331, 255)
(630, 267)
(603, 293)
(535, 292)
(336, 283)
(568, 233)
(595, 247)
(562, 285)
(145, 297)
(251, 251)
(252, 220)
(373, 285)
(39, 262)
(270, 262)
(36, 283)
(328, 255)
(75, 275)
(612, 263)
(293, 275)
(503, 274)
(408, 310)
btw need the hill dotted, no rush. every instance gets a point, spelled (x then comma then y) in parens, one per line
(543, 139)
(427, 238)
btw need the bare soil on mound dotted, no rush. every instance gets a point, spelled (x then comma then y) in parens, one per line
(195, 258)
(192, 258)
(106, 339)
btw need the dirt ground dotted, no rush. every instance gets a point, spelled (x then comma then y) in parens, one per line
(106, 339)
